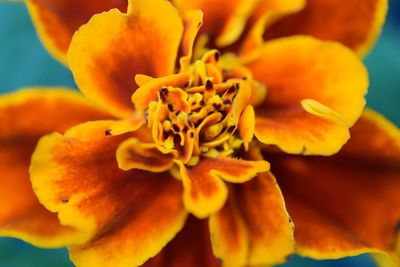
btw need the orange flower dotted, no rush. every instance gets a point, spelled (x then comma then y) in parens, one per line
(172, 134)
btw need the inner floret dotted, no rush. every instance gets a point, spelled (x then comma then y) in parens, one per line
(204, 111)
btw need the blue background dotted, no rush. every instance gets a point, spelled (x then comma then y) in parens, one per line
(24, 62)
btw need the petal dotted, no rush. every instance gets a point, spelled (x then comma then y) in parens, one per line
(355, 23)
(107, 52)
(192, 20)
(381, 143)
(190, 248)
(229, 234)
(270, 228)
(247, 125)
(266, 13)
(310, 129)
(324, 71)
(204, 190)
(224, 20)
(132, 153)
(346, 204)
(125, 216)
(25, 115)
(57, 20)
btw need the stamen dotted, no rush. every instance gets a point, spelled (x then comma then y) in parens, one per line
(163, 93)
(198, 116)
(170, 107)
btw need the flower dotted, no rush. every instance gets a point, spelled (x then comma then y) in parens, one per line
(116, 179)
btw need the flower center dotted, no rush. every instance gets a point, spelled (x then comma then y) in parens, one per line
(198, 113)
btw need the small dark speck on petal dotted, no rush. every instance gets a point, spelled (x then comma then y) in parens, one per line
(108, 132)
(65, 201)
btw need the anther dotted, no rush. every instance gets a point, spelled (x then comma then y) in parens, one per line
(217, 106)
(231, 129)
(232, 89)
(170, 107)
(108, 132)
(176, 128)
(163, 93)
(227, 102)
(217, 55)
(209, 85)
(186, 84)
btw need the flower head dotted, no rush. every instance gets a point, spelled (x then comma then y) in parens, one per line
(186, 120)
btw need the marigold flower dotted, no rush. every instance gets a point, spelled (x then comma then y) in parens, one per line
(170, 163)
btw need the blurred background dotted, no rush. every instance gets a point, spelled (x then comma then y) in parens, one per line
(24, 62)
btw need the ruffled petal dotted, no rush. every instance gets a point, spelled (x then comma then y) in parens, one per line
(346, 204)
(264, 14)
(224, 20)
(355, 23)
(133, 154)
(107, 52)
(125, 217)
(192, 21)
(253, 228)
(204, 190)
(25, 115)
(191, 247)
(57, 20)
(326, 72)
(229, 234)
(310, 129)
(269, 226)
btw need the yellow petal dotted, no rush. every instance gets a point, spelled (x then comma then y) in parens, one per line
(107, 52)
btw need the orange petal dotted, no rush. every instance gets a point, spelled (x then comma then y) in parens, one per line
(149, 91)
(192, 20)
(124, 217)
(253, 228)
(246, 126)
(324, 71)
(57, 20)
(190, 248)
(134, 154)
(204, 191)
(355, 23)
(339, 87)
(107, 52)
(269, 226)
(310, 129)
(346, 204)
(381, 143)
(266, 13)
(224, 20)
(229, 234)
(25, 115)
